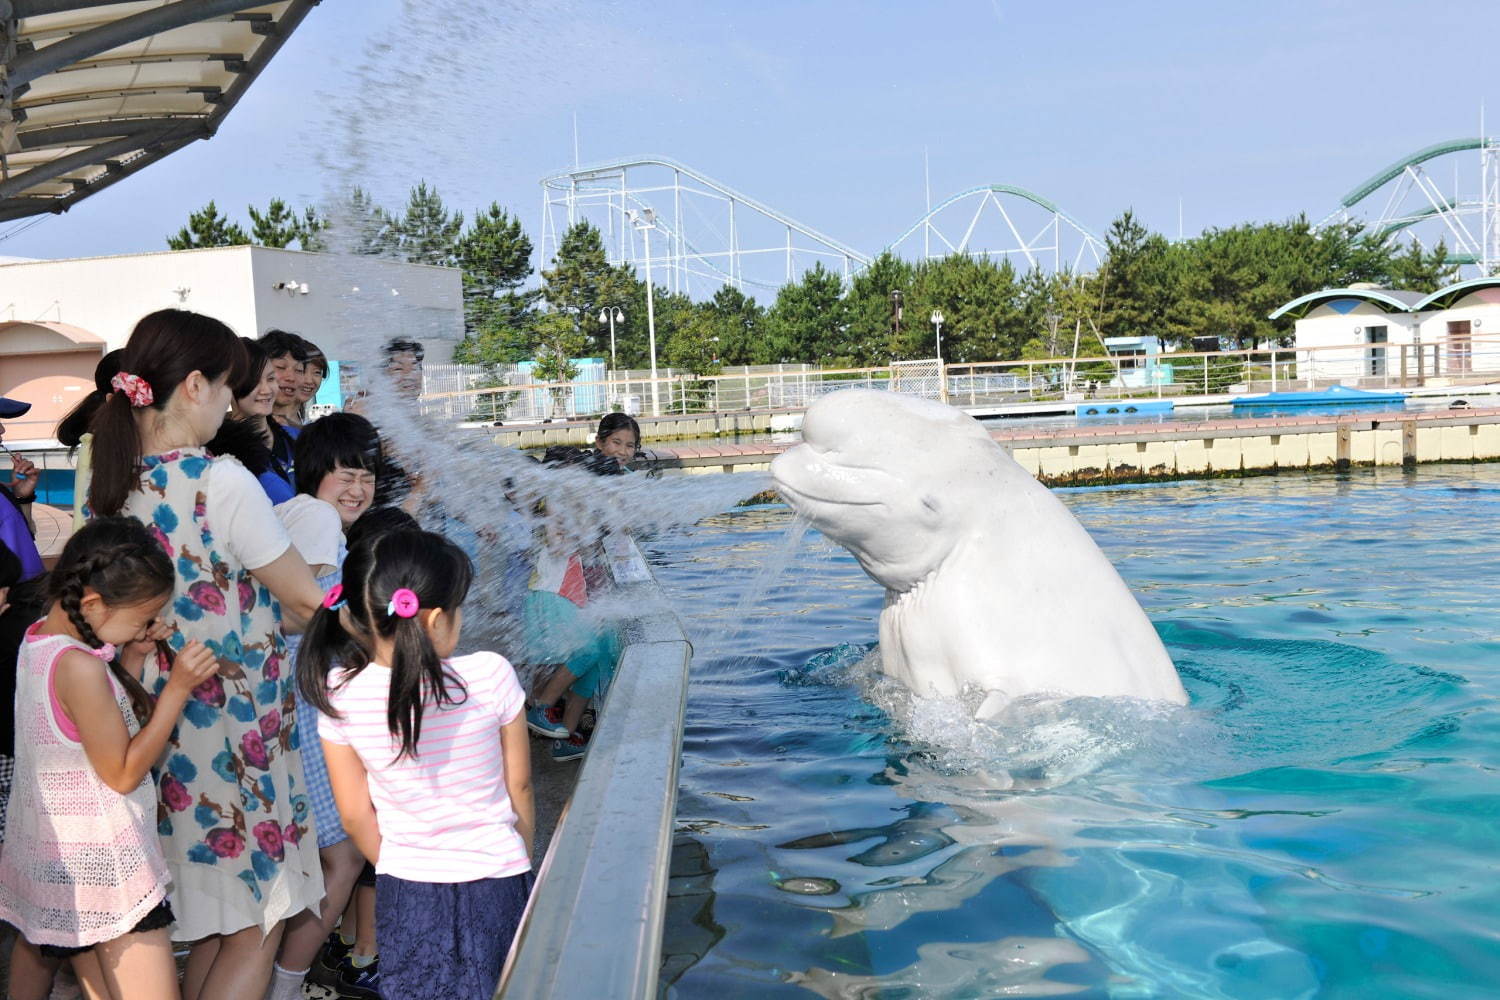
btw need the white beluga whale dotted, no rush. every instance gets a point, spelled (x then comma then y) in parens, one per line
(991, 583)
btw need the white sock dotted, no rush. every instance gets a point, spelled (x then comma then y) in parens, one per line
(285, 984)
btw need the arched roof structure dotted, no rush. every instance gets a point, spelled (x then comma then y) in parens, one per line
(1444, 298)
(95, 90)
(1385, 298)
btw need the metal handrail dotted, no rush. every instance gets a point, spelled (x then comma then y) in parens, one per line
(594, 925)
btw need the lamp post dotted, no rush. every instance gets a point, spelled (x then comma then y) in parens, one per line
(613, 315)
(937, 322)
(645, 220)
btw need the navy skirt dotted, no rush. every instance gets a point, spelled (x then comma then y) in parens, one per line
(446, 939)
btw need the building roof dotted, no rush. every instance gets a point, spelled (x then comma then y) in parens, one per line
(1391, 300)
(98, 89)
(1444, 298)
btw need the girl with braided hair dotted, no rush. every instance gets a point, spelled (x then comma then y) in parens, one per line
(82, 874)
(235, 824)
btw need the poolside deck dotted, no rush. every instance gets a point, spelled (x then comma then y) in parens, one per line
(1071, 456)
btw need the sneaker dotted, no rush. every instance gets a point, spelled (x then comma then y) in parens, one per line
(325, 968)
(547, 722)
(359, 984)
(569, 749)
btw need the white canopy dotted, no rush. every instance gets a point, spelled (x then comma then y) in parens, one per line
(93, 90)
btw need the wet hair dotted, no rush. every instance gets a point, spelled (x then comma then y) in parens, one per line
(71, 428)
(344, 440)
(403, 345)
(618, 421)
(124, 564)
(280, 344)
(439, 573)
(10, 567)
(164, 349)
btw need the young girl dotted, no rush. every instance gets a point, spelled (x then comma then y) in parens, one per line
(425, 786)
(82, 869)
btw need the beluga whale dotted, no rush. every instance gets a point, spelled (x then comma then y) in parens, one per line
(990, 581)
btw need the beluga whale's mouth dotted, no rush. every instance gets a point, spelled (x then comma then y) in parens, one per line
(985, 570)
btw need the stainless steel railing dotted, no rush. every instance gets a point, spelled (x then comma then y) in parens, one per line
(594, 925)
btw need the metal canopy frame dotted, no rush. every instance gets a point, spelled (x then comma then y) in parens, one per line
(93, 91)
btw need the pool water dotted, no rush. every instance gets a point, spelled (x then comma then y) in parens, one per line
(1322, 820)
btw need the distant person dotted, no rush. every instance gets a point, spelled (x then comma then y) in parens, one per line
(82, 875)
(314, 371)
(288, 353)
(73, 430)
(17, 528)
(250, 434)
(429, 762)
(618, 439)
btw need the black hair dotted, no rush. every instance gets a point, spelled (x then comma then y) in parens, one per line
(257, 359)
(315, 356)
(618, 421)
(434, 569)
(403, 345)
(164, 349)
(279, 344)
(378, 521)
(10, 567)
(339, 439)
(71, 428)
(124, 564)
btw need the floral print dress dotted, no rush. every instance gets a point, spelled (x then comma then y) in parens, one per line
(233, 816)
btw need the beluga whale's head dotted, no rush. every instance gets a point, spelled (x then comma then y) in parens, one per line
(888, 477)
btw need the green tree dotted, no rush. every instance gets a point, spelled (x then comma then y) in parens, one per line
(427, 233)
(1419, 270)
(581, 282)
(981, 304)
(737, 322)
(208, 228)
(806, 324)
(494, 254)
(310, 231)
(360, 226)
(871, 309)
(693, 343)
(277, 226)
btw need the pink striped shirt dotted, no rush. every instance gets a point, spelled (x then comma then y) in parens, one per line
(444, 814)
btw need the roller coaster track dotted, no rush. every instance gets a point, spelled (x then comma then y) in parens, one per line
(739, 240)
(1417, 210)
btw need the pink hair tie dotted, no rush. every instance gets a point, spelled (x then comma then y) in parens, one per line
(334, 599)
(135, 388)
(403, 604)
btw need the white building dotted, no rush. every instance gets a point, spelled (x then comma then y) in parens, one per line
(1381, 336)
(58, 317)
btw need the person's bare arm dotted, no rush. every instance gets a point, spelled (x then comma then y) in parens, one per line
(122, 760)
(515, 748)
(291, 581)
(351, 790)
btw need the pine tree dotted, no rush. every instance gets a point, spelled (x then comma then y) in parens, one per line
(581, 282)
(207, 228)
(278, 226)
(427, 233)
(495, 255)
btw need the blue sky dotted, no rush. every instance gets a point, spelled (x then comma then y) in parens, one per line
(823, 109)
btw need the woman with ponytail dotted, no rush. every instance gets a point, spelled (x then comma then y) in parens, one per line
(82, 874)
(73, 429)
(235, 824)
(428, 758)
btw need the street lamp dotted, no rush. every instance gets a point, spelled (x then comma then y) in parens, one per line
(645, 220)
(613, 314)
(937, 321)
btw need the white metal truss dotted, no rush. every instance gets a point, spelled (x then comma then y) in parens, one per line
(1415, 207)
(1001, 220)
(701, 233)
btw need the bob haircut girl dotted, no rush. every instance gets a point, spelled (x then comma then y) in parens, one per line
(424, 786)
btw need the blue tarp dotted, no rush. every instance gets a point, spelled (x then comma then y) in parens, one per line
(1339, 395)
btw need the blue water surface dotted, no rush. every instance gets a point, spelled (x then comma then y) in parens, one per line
(1323, 820)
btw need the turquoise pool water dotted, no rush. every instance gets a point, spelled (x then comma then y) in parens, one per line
(1321, 821)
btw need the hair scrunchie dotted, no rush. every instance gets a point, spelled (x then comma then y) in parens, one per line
(403, 604)
(135, 388)
(334, 599)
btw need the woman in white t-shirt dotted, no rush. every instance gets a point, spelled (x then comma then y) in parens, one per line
(429, 762)
(234, 821)
(337, 460)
